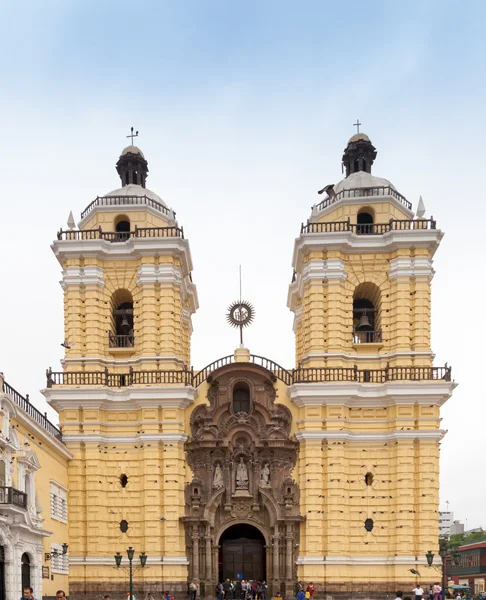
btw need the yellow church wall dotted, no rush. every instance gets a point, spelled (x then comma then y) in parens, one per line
(382, 211)
(107, 220)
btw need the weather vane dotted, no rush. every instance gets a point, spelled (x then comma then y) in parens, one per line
(132, 135)
(240, 314)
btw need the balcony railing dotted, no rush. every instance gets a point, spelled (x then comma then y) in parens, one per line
(121, 341)
(289, 377)
(9, 495)
(364, 192)
(370, 228)
(119, 236)
(33, 413)
(123, 201)
(367, 337)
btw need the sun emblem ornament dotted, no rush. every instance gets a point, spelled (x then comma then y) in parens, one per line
(240, 314)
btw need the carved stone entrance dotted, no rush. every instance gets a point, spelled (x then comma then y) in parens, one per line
(241, 456)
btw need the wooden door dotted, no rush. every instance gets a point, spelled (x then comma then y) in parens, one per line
(243, 558)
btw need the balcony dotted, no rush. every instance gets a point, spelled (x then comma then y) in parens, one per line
(121, 341)
(11, 496)
(370, 228)
(365, 193)
(124, 201)
(119, 236)
(367, 337)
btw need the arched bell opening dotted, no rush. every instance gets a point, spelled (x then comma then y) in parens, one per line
(365, 221)
(122, 332)
(122, 228)
(242, 553)
(366, 314)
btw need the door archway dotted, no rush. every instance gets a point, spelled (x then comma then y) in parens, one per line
(25, 571)
(242, 554)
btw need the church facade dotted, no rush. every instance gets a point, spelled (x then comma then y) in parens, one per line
(325, 472)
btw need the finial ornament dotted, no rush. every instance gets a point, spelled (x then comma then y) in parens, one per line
(132, 135)
(240, 314)
(420, 208)
(357, 125)
(71, 223)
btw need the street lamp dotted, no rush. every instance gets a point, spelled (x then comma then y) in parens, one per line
(443, 554)
(130, 555)
(456, 557)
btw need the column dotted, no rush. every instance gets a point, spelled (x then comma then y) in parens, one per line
(195, 552)
(276, 550)
(290, 551)
(208, 552)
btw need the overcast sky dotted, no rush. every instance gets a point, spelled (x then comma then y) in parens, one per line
(243, 111)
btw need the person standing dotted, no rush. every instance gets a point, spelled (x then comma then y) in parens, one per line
(301, 594)
(263, 593)
(219, 590)
(437, 591)
(227, 589)
(60, 595)
(419, 592)
(27, 594)
(311, 588)
(193, 589)
(398, 595)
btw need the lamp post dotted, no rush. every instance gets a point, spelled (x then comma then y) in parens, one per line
(456, 556)
(130, 555)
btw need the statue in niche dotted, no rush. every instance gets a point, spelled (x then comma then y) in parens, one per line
(218, 477)
(242, 482)
(265, 476)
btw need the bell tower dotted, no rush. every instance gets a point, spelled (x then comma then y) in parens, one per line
(125, 383)
(368, 394)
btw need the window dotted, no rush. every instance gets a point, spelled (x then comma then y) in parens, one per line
(58, 502)
(366, 314)
(365, 221)
(122, 335)
(59, 561)
(241, 398)
(122, 227)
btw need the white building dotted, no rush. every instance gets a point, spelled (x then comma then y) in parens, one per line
(446, 520)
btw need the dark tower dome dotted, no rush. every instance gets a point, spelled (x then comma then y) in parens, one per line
(359, 154)
(132, 166)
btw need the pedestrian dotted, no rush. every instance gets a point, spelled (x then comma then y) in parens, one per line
(278, 596)
(418, 591)
(301, 594)
(437, 591)
(244, 589)
(106, 597)
(130, 596)
(219, 591)
(298, 587)
(167, 595)
(27, 594)
(263, 592)
(227, 589)
(193, 589)
(254, 589)
(458, 597)
(60, 595)
(399, 595)
(311, 588)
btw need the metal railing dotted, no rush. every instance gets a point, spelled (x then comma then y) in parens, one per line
(121, 341)
(364, 193)
(36, 415)
(367, 337)
(289, 377)
(9, 495)
(119, 236)
(126, 200)
(370, 228)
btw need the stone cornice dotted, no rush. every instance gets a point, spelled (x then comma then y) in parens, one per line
(141, 438)
(352, 243)
(108, 560)
(113, 399)
(132, 249)
(369, 394)
(315, 270)
(74, 276)
(167, 274)
(411, 267)
(362, 560)
(369, 437)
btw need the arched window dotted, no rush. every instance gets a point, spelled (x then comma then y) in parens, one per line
(25, 571)
(135, 177)
(366, 314)
(241, 398)
(122, 227)
(121, 335)
(365, 221)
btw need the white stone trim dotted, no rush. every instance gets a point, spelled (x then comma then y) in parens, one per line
(315, 270)
(352, 358)
(352, 243)
(132, 249)
(361, 560)
(364, 438)
(133, 398)
(75, 276)
(352, 393)
(117, 362)
(141, 438)
(109, 560)
(420, 266)
(166, 274)
(297, 317)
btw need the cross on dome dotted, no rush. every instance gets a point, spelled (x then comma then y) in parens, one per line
(132, 135)
(357, 124)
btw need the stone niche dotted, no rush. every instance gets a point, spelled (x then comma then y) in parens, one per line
(242, 457)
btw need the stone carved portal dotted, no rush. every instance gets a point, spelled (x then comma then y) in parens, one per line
(242, 463)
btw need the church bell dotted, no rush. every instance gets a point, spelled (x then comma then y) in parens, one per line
(125, 325)
(364, 323)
